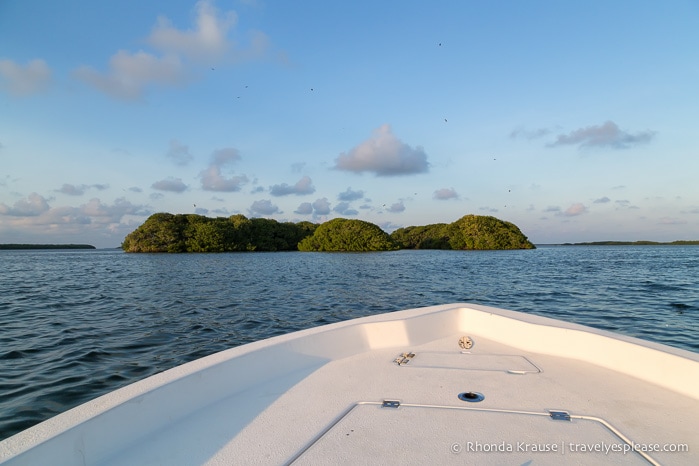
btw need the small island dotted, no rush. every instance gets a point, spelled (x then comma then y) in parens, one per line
(164, 232)
(342, 234)
(46, 246)
(479, 232)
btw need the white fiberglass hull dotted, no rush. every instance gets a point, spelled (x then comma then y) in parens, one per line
(385, 390)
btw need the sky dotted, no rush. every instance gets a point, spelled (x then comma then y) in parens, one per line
(576, 121)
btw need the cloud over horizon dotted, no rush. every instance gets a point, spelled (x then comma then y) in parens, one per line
(320, 207)
(384, 155)
(396, 207)
(263, 207)
(302, 187)
(79, 190)
(34, 211)
(305, 208)
(575, 210)
(606, 135)
(31, 206)
(343, 208)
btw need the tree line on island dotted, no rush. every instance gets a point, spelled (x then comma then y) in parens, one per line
(164, 232)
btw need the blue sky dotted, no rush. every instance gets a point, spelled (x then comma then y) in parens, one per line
(577, 121)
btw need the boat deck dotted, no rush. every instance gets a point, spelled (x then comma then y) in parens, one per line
(385, 390)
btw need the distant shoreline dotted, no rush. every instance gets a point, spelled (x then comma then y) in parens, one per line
(46, 246)
(635, 243)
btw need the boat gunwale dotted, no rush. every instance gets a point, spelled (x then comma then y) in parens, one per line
(398, 328)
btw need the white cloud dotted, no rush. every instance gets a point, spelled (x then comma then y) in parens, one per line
(321, 206)
(397, 207)
(79, 190)
(179, 153)
(343, 208)
(349, 195)
(105, 213)
(175, 185)
(605, 135)
(35, 212)
(72, 190)
(20, 80)
(624, 204)
(32, 206)
(206, 42)
(263, 207)
(574, 210)
(446, 193)
(130, 74)
(602, 200)
(213, 180)
(384, 155)
(305, 208)
(303, 186)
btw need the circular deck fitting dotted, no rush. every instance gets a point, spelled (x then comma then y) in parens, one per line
(471, 397)
(466, 342)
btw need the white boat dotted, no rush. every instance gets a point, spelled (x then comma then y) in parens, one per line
(449, 384)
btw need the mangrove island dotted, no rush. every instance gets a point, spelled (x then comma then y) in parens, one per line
(164, 232)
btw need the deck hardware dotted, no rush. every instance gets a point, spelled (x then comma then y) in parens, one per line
(390, 404)
(404, 358)
(559, 415)
(471, 397)
(466, 342)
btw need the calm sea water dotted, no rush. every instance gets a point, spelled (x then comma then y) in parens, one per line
(77, 324)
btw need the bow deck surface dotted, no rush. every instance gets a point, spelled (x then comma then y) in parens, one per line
(385, 390)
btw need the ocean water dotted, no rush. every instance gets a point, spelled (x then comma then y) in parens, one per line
(77, 324)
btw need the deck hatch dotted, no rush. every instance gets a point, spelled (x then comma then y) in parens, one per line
(510, 363)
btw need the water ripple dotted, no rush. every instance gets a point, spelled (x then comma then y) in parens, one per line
(77, 324)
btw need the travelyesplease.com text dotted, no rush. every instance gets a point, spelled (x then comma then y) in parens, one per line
(567, 447)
